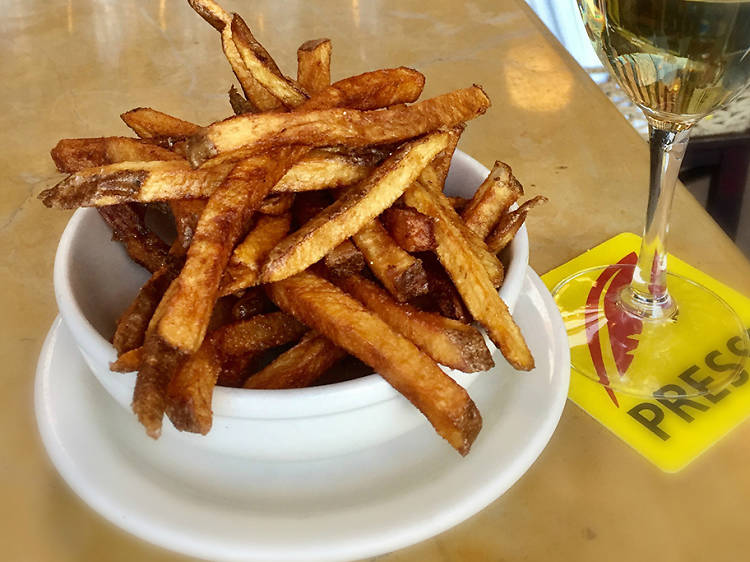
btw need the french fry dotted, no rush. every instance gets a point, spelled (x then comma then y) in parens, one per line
(238, 102)
(186, 214)
(132, 324)
(143, 182)
(349, 325)
(262, 67)
(126, 182)
(472, 281)
(352, 211)
(74, 155)
(410, 229)
(329, 127)
(399, 272)
(244, 265)
(370, 90)
(436, 173)
(447, 341)
(345, 259)
(128, 362)
(221, 20)
(190, 391)
(276, 204)
(148, 123)
(314, 65)
(492, 199)
(490, 262)
(128, 226)
(210, 11)
(509, 224)
(220, 226)
(300, 366)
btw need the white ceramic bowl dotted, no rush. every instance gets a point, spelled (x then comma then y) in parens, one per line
(95, 281)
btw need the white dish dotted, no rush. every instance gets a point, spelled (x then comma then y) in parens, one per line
(358, 505)
(95, 281)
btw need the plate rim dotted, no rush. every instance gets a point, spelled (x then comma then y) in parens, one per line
(478, 498)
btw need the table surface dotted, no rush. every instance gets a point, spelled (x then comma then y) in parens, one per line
(70, 68)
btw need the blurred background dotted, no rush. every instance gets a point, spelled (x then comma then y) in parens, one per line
(715, 167)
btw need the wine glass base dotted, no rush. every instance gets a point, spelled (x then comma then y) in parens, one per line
(697, 351)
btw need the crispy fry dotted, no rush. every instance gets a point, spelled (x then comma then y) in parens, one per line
(73, 155)
(276, 204)
(471, 280)
(409, 228)
(159, 363)
(447, 341)
(349, 325)
(491, 263)
(128, 182)
(244, 265)
(399, 272)
(128, 362)
(128, 226)
(314, 65)
(370, 90)
(148, 123)
(328, 127)
(300, 366)
(509, 224)
(438, 169)
(186, 214)
(352, 211)
(210, 11)
(263, 68)
(492, 199)
(132, 324)
(345, 259)
(190, 391)
(238, 102)
(186, 318)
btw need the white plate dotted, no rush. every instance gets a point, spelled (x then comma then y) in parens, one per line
(353, 506)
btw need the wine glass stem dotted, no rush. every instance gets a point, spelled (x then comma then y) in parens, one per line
(647, 295)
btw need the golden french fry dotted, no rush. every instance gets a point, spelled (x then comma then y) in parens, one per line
(509, 224)
(349, 325)
(185, 321)
(129, 227)
(471, 280)
(331, 127)
(314, 65)
(492, 199)
(189, 393)
(262, 67)
(128, 362)
(352, 211)
(447, 341)
(300, 366)
(399, 272)
(409, 228)
(244, 265)
(73, 155)
(148, 123)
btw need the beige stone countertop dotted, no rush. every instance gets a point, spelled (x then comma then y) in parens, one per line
(70, 68)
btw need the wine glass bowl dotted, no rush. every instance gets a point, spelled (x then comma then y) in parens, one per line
(632, 325)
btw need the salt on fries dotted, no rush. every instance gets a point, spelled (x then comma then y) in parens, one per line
(314, 215)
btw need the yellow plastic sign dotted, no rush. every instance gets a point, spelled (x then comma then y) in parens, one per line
(673, 430)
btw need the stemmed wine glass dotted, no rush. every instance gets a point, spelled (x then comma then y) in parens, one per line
(633, 326)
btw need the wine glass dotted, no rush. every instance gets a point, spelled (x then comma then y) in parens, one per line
(633, 326)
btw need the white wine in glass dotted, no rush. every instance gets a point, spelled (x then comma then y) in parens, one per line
(633, 326)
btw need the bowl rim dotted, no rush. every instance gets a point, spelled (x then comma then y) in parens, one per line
(239, 402)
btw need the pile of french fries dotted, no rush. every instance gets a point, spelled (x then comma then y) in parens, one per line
(313, 220)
